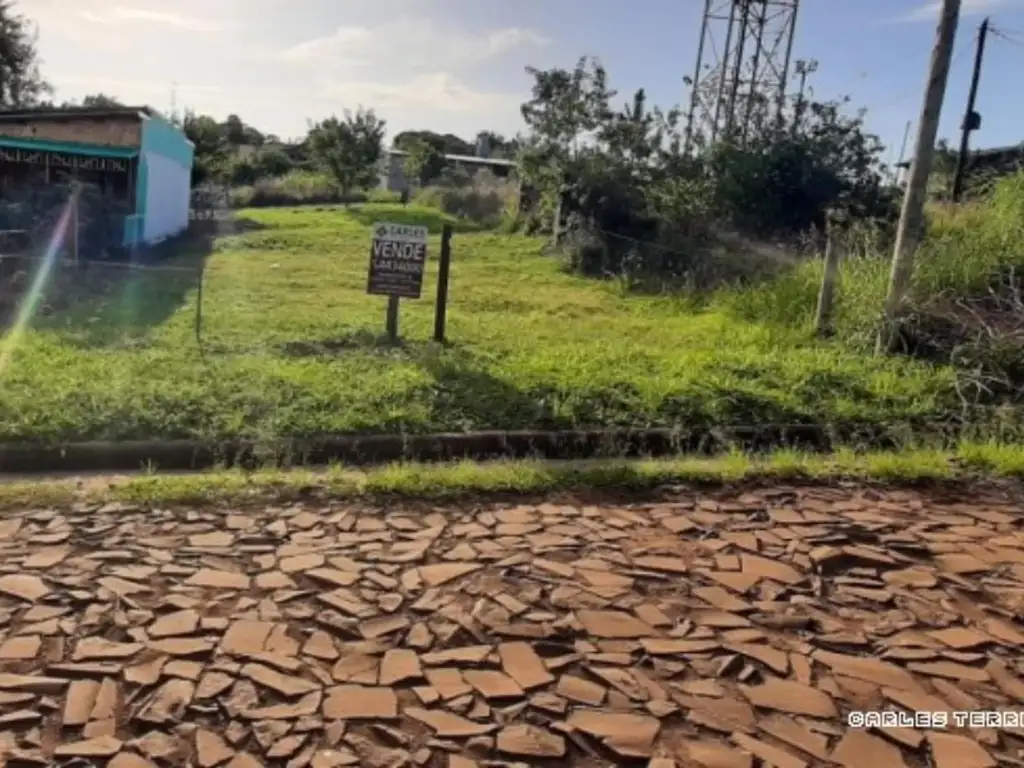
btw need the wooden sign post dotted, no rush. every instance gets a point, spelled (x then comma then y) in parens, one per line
(398, 256)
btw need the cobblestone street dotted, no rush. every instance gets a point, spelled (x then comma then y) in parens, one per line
(715, 631)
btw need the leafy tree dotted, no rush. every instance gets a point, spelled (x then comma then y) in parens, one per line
(233, 130)
(101, 101)
(270, 161)
(21, 84)
(785, 182)
(204, 132)
(446, 144)
(424, 163)
(211, 150)
(566, 107)
(636, 202)
(350, 149)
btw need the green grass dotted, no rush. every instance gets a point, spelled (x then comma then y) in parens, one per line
(975, 462)
(291, 349)
(966, 248)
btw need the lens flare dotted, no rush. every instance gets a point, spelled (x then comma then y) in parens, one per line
(30, 301)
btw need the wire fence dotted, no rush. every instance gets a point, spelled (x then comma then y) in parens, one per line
(99, 300)
(265, 297)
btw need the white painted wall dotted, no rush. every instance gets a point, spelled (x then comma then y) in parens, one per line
(167, 198)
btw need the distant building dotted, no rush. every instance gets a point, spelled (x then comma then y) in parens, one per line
(998, 159)
(132, 153)
(394, 178)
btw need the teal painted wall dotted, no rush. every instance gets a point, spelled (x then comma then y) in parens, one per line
(160, 137)
(164, 138)
(132, 230)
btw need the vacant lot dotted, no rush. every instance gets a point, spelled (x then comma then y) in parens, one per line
(291, 348)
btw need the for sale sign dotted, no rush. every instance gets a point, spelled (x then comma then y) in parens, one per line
(398, 255)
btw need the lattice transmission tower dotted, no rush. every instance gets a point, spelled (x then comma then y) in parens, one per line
(743, 67)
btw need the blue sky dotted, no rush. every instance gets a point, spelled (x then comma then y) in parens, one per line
(458, 65)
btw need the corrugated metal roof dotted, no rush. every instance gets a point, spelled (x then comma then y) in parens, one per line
(999, 150)
(73, 113)
(467, 159)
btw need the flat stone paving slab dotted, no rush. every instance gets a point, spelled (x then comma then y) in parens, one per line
(697, 631)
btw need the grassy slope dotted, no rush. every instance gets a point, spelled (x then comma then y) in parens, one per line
(964, 249)
(531, 347)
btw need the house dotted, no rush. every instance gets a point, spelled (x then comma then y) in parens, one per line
(133, 154)
(393, 178)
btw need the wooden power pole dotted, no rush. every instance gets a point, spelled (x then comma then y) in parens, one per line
(908, 234)
(972, 120)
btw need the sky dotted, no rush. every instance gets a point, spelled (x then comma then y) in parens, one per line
(459, 65)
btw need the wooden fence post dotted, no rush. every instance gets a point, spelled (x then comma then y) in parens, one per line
(391, 319)
(443, 270)
(833, 255)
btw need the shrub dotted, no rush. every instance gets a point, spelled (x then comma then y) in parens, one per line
(302, 188)
(483, 199)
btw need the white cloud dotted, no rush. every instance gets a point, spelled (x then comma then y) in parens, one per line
(127, 86)
(930, 10)
(125, 15)
(439, 73)
(437, 91)
(409, 43)
(409, 63)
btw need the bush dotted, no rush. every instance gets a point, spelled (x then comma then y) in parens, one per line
(483, 199)
(302, 188)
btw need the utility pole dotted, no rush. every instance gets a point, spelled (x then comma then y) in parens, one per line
(174, 102)
(972, 120)
(908, 235)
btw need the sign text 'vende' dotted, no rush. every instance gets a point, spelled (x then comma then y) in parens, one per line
(398, 255)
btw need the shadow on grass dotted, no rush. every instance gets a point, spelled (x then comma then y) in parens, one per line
(118, 302)
(463, 394)
(467, 395)
(360, 340)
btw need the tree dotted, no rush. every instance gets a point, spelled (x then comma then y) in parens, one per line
(211, 151)
(424, 163)
(271, 161)
(785, 182)
(446, 144)
(233, 130)
(101, 101)
(350, 149)
(565, 107)
(21, 84)
(635, 202)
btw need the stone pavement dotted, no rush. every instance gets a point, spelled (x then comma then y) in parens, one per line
(704, 631)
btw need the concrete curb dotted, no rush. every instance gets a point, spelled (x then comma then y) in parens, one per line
(365, 450)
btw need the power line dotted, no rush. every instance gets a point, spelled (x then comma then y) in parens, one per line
(1002, 35)
(915, 91)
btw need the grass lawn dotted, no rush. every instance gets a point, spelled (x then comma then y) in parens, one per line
(291, 349)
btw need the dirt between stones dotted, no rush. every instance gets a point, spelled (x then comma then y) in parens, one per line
(705, 631)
